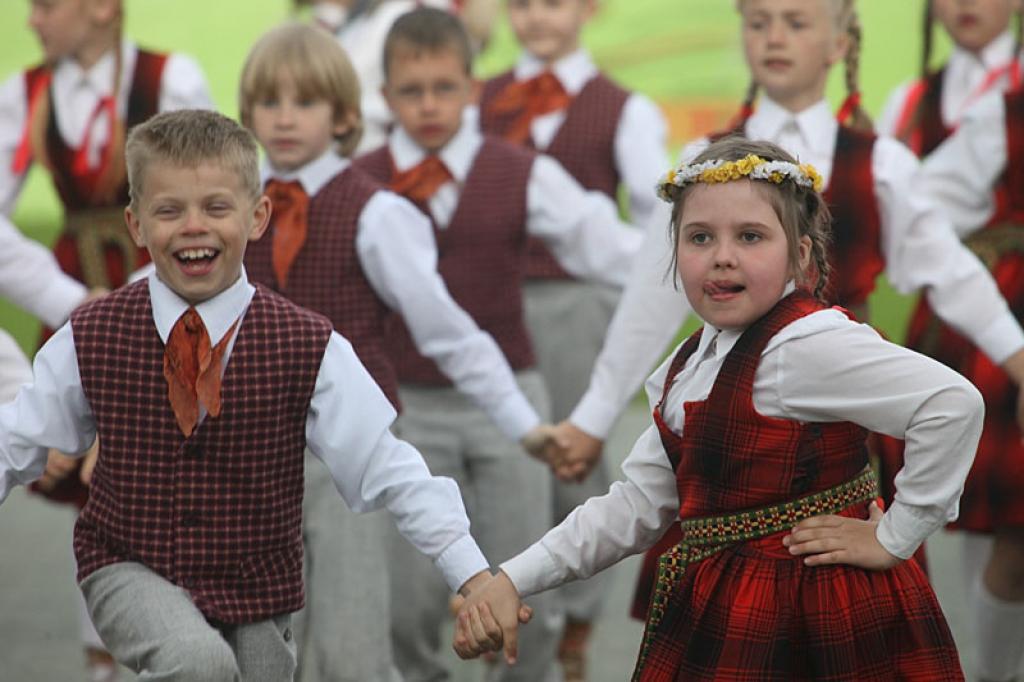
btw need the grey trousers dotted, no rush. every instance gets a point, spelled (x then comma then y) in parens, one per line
(151, 626)
(342, 633)
(567, 322)
(508, 496)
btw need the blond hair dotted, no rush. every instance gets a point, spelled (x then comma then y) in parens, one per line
(187, 138)
(319, 68)
(801, 210)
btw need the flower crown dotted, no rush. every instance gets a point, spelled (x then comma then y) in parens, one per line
(751, 166)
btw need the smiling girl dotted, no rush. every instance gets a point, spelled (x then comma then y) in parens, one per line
(758, 450)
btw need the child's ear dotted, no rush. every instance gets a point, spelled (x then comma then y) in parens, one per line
(134, 229)
(260, 217)
(803, 248)
(840, 46)
(345, 123)
(104, 12)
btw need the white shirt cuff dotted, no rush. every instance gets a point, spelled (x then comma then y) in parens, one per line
(904, 527)
(58, 299)
(533, 570)
(515, 416)
(461, 561)
(1001, 339)
(595, 414)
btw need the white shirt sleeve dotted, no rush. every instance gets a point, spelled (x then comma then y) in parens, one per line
(581, 228)
(398, 253)
(52, 412)
(31, 279)
(15, 369)
(348, 428)
(886, 389)
(640, 155)
(183, 85)
(961, 173)
(631, 517)
(923, 252)
(887, 121)
(648, 316)
(12, 127)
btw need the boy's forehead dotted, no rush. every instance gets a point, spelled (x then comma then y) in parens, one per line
(171, 177)
(445, 56)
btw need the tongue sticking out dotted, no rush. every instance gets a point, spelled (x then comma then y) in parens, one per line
(719, 288)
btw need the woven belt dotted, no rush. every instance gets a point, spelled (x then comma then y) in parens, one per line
(705, 536)
(94, 229)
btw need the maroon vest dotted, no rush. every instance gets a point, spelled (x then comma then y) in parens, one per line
(328, 277)
(584, 145)
(856, 249)
(730, 457)
(143, 103)
(220, 512)
(480, 256)
(920, 126)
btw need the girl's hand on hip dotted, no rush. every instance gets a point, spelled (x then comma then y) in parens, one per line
(831, 539)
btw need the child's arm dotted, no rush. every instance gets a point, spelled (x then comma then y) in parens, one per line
(398, 253)
(52, 412)
(348, 428)
(825, 368)
(12, 127)
(581, 228)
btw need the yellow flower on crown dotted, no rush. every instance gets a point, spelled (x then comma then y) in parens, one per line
(751, 166)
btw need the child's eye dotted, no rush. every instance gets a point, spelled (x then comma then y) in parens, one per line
(700, 238)
(218, 209)
(306, 103)
(268, 102)
(750, 237)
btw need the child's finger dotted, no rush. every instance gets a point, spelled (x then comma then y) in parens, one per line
(874, 513)
(826, 521)
(827, 558)
(463, 642)
(485, 629)
(525, 614)
(817, 546)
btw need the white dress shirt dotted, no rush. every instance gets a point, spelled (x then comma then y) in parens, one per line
(921, 251)
(31, 278)
(640, 139)
(961, 173)
(820, 368)
(76, 92)
(963, 83)
(397, 252)
(581, 228)
(348, 428)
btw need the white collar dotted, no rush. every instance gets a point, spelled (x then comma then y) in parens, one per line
(997, 53)
(727, 338)
(313, 176)
(458, 155)
(100, 76)
(816, 123)
(573, 71)
(218, 313)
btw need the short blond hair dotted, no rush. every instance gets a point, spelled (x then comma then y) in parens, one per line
(316, 63)
(187, 138)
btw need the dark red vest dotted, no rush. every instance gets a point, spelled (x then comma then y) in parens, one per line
(730, 457)
(143, 103)
(480, 256)
(218, 513)
(856, 250)
(328, 277)
(920, 126)
(584, 145)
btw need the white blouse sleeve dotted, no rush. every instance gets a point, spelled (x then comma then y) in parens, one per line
(12, 127)
(183, 85)
(640, 155)
(886, 389)
(923, 252)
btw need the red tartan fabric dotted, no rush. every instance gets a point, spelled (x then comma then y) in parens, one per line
(218, 513)
(927, 131)
(480, 256)
(752, 611)
(584, 145)
(992, 496)
(327, 276)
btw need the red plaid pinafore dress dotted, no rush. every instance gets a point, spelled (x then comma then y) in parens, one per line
(751, 611)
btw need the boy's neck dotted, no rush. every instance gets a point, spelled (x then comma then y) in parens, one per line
(89, 54)
(550, 61)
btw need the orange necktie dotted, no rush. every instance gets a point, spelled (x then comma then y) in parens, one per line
(192, 369)
(291, 211)
(529, 99)
(420, 182)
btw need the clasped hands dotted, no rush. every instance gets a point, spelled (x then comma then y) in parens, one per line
(569, 451)
(489, 614)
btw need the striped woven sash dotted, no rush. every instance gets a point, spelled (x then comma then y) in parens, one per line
(705, 536)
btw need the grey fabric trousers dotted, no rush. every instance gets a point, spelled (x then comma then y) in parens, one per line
(342, 633)
(150, 625)
(508, 496)
(567, 321)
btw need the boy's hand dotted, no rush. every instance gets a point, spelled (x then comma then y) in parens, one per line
(58, 467)
(89, 462)
(582, 454)
(489, 620)
(841, 540)
(544, 443)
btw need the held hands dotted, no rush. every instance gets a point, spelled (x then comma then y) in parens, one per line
(544, 443)
(582, 452)
(489, 618)
(841, 540)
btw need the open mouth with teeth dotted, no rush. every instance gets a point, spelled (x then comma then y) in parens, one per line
(197, 261)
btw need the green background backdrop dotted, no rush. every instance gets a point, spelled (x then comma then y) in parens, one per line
(685, 54)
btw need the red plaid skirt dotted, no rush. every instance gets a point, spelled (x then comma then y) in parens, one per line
(753, 612)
